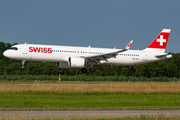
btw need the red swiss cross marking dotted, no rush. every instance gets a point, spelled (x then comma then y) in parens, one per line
(160, 41)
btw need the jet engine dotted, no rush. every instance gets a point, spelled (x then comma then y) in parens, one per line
(77, 62)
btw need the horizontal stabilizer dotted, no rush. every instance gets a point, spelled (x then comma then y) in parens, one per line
(163, 55)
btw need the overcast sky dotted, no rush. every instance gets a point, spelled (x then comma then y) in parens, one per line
(99, 23)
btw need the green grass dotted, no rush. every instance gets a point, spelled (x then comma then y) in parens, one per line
(88, 101)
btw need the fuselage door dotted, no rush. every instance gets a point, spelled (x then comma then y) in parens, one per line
(24, 49)
(144, 56)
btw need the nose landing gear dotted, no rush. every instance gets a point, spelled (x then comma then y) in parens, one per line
(23, 62)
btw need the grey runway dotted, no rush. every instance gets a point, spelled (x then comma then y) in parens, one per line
(87, 113)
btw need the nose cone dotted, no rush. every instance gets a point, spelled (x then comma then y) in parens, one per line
(9, 54)
(5, 53)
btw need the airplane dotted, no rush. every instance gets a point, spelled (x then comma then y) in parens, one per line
(78, 57)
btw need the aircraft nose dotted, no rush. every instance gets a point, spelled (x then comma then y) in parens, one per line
(8, 54)
(5, 53)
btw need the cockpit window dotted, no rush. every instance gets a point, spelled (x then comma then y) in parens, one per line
(14, 48)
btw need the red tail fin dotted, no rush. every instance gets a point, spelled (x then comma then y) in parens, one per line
(161, 40)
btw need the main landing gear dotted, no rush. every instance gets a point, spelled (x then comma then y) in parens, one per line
(84, 70)
(92, 70)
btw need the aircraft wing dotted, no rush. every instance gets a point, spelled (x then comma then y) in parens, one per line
(97, 58)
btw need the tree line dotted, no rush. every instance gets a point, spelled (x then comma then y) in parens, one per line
(166, 68)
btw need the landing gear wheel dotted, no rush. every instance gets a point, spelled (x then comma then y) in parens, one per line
(83, 70)
(92, 69)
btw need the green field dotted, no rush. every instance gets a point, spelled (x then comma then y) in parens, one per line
(82, 78)
(88, 101)
(89, 96)
(106, 96)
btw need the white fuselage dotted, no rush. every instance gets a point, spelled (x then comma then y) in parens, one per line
(52, 53)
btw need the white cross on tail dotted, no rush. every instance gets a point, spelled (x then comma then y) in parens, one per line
(161, 40)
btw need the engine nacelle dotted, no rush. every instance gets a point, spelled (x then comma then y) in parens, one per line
(77, 62)
(62, 65)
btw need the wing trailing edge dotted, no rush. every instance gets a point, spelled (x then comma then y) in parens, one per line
(98, 58)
